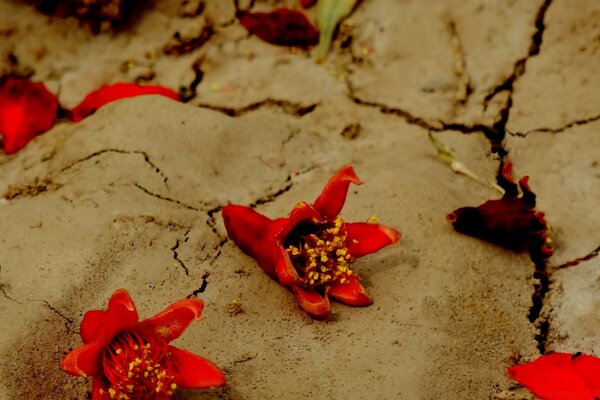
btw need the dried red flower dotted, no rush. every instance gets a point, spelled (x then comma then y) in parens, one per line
(282, 27)
(511, 222)
(560, 376)
(133, 360)
(26, 110)
(308, 3)
(310, 251)
(110, 93)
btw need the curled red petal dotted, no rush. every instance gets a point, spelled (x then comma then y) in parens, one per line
(505, 180)
(27, 109)
(91, 325)
(364, 238)
(332, 198)
(121, 315)
(85, 360)
(312, 302)
(110, 93)
(282, 27)
(194, 372)
(253, 233)
(560, 376)
(173, 320)
(350, 292)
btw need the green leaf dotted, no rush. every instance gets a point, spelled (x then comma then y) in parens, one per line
(447, 155)
(329, 15)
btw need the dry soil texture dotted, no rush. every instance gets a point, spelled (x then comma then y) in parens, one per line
(131, 196)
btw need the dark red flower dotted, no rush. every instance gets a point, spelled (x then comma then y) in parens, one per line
(282, 27)
(110, 93)
(560, 376)
(26, 110)
(308, 3)
(133, 360)
(511, 222)
(311, 251)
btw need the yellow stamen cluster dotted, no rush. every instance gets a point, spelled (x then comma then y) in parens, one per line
(322, 258)
(137, 374)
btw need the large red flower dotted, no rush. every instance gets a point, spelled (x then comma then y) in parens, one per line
(511, 222)
(27, 109)
(133, 360)
(311, 251)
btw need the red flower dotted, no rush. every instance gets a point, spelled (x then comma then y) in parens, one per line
(311, 251)
(26, 110)
(560, 376)
(511, 222)
(282, 27)
(308, 3)
(133, 360)
(110, 93)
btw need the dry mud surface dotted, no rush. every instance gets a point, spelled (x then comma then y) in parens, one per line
(131, 197)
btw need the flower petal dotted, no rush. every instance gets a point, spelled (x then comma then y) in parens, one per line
(110, 93)
(26, 110)
(560, 376)
(282, 27)
(91, 325)
(253, 234)
(194, 372)
(312, 302)
(364, 238)
(332, 198)
(121, 314)
(97, 386)
(85, 360)
(350, 292)
(173, 320)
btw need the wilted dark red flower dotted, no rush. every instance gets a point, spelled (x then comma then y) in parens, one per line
(308, 3)
(511, 222)
(311, 251)
(133, 360)
(282, 27)
(110, 93)
(26, 110)
(560, 376)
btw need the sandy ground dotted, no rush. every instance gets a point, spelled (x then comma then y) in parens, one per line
(131, 197)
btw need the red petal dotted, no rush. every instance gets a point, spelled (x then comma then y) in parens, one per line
(332, 198)
(560, 376)
(282, 27)
(173, 320)
(85, 360)
(364, 238)
(107, 94)
(312, 302)
(253, 234)
(26, 110)
(308, 3)
(194, 372)
(91, 325)
(351, 293)
(119, 316)
(97, 385)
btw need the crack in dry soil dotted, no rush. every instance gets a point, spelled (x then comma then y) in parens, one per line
(178, 243)
(294, 109)
(563, 128)
(592, 254)
(202, 287)
(165, 198)
(147, 159)
(33, 189)
(464, 88)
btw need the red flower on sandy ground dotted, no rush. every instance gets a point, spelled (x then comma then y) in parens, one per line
(133, 360)
(511, 222)
(560, 376)
(26, 110)
(311, 251)
(282, 27)
(109, 93)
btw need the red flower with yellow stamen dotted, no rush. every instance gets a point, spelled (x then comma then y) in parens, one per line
(132, 360)
(311, 251)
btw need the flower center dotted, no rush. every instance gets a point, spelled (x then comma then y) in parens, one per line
(137, 367)
(321, 257)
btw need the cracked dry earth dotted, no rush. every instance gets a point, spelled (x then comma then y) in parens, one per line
(131, 197)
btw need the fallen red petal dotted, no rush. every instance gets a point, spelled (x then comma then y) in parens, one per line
(332, 198)
(27, 109)
(85, 360)
(364, 238)
(110, 93)
(351, 293)
(312, 302)
(194, 372)
(173, 320)
(282, 27)
(560, 376)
